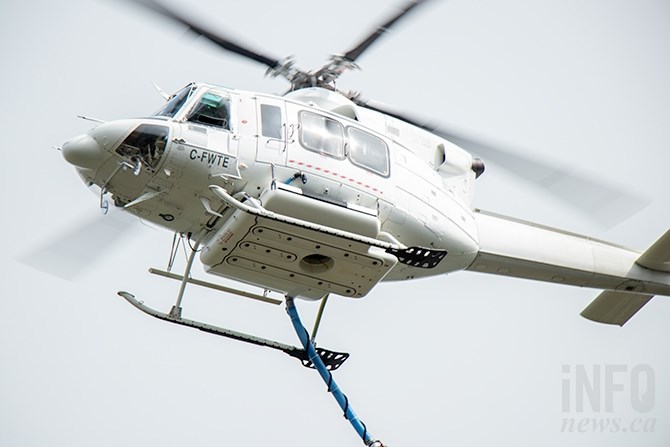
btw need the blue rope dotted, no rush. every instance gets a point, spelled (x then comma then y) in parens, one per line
(326, 375)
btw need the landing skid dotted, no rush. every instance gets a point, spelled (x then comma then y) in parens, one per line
(332, 360)
(322, 360)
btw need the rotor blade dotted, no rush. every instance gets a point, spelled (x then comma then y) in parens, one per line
(355, 52)
(604, 203)
(71, 254)
(217, 38)
(607, 204)
(338, 64)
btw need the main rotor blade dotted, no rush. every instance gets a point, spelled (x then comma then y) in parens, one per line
(71, 254)
(215, 37)
(355, 52)
(604, 203)
(338, 63)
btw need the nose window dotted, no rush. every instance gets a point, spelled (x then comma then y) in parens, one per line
(146, 144)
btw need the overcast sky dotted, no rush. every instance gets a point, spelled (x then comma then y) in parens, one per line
(467, 359)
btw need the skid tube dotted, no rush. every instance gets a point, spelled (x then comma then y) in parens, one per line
(322, 360)
(333, 360)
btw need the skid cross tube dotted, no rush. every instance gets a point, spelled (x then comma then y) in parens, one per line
(176, 309)
(327, 376)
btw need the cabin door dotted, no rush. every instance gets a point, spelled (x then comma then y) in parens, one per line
(272, 138)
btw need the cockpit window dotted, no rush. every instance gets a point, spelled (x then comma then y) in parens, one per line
(175, 103)
(145, 144)
(212, 110)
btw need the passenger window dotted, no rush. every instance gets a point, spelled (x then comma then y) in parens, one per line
(321, 134)
(271, 121)
(212, 110)
(368, 151)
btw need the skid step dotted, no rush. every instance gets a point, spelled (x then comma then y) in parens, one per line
(420, 257)
(332, 360)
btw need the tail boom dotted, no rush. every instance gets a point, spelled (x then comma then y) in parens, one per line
(522, 249)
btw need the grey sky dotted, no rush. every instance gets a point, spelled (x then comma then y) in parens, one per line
(464, 360)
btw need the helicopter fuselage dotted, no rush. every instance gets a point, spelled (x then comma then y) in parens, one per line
(309, 195)
(337, 165)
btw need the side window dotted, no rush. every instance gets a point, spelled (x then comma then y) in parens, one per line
(271, 121)
(368, 151)
(321, 134)
(212, 110)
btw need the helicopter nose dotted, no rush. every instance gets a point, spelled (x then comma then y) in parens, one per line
(83, 151)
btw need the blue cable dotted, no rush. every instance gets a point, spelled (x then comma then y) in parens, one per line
(326, 375)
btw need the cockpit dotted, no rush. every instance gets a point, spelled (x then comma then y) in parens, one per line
(200, 104)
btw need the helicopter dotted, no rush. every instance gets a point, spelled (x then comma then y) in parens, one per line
(319, 193)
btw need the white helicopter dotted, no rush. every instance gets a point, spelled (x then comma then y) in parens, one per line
(320, 192)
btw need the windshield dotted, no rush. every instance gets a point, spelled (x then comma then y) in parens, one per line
(175, 102)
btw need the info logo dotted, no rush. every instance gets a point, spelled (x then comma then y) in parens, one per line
(602, 398)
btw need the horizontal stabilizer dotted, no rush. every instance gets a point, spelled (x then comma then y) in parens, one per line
(657, 257)
(613, 307)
